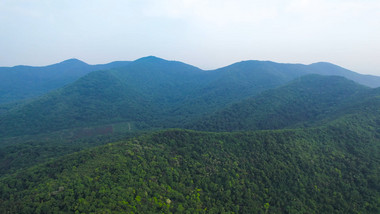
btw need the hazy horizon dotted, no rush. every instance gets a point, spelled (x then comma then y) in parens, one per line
(208, 34)
(174, 60)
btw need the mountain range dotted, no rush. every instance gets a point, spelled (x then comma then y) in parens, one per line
(153, 93)
(266, 138)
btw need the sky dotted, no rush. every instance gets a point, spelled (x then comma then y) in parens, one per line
(205, 33)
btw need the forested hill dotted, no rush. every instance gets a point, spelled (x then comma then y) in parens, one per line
(305, 101)
(330, 169)
(25, 82)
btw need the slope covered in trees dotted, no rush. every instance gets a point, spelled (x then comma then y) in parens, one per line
(331, 169)
(303, 102)
(19, 153)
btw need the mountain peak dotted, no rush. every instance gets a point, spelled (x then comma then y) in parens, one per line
(324, 64)
(151, 58)
(72, 61)
(245, 63)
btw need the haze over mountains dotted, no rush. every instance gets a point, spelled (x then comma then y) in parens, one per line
(22, 82)
(308, 140)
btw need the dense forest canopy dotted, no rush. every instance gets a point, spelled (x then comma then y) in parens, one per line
(324, 170)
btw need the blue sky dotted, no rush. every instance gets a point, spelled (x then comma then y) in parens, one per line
(205, 33)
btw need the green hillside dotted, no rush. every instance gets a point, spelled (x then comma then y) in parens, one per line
(302, 102)
(19, 153)
(332, 169)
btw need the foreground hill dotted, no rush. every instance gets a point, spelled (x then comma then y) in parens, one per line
(148, 93)
(331, 169)
(303, 102)
(25, 82)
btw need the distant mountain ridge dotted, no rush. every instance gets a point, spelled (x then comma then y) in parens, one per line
(25, 82)
(322, 68)
(325, 68)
